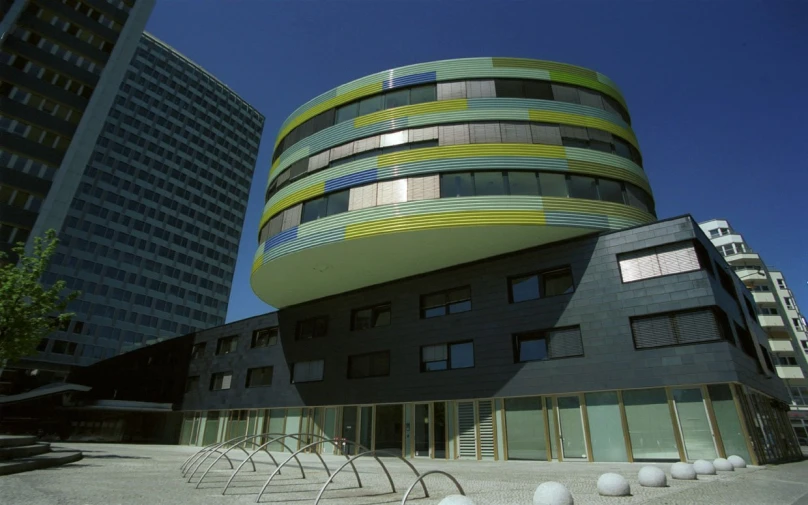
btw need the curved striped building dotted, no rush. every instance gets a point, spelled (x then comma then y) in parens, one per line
(426, 166)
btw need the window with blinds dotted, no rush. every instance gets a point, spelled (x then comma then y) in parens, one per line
(680, 328)
(548, 344)
(307, 371)
(658, 261)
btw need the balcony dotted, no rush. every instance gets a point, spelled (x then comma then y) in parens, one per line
(781, 346)
(789, 372)
(763, 297)
(775, 322)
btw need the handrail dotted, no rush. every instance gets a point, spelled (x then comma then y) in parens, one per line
(374, 454)
(324, 441)
(421, 480)
(294, 455)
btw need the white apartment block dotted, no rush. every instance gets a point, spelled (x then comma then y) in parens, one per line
(778, 314)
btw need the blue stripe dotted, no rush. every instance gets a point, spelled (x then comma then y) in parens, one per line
(409, 80)
(280, 238)
(351, 180)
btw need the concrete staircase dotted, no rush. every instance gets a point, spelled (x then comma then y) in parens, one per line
(24, 453)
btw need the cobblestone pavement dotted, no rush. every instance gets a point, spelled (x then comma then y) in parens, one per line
(112, 474)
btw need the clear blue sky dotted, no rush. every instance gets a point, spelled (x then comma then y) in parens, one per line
(717, 90)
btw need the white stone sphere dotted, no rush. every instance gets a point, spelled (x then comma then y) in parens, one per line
(683, 471)
(456, 499)
(737, 461)
(613, 484)
(703, 467)
(651, 476)
(552, 493)
(723, 465)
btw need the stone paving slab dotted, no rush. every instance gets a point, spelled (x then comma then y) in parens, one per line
(117, 474)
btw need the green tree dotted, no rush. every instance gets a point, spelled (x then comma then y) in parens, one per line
(29, 311)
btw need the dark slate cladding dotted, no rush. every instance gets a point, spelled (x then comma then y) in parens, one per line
(601, 306)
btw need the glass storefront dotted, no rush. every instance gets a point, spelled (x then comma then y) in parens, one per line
(658, 424)
(649, 425)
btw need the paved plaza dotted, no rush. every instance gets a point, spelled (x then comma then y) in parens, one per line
(112, 474)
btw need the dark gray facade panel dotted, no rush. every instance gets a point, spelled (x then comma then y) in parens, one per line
(29, 82)
(30, 149)
(47, 59)
(21, 180)
(17, 110)
(74, 16)
(601, 305)
(16, 216)
(62, 38)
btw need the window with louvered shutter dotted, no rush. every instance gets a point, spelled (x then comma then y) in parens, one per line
(392, 192)
(362, 197)
(675, 328)
(423, 188)
(422, 134)
(291, 217)
(658, 261)
(319, 161)
(485, 133)
(564, 343)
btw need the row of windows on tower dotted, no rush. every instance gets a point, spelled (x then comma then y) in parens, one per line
(477, 88)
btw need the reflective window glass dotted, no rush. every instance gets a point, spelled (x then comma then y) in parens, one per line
(553, 184)
(461, 355)
(338, 202)
(524, 288)
(347, 112)
(523, 183)
(313, 209)
(540, 90)
(583, 187)
(509, 88)
(489, 183)
(611, 191)
(422, 94)
(371, 104)
(456, 184)
(397, 98)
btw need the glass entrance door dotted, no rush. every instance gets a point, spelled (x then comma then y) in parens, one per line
(571, 426)
(422, 429)
(439, 429)
(697, 434)
(389, 427)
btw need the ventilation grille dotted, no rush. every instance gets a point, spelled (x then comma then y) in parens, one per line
(468, 438)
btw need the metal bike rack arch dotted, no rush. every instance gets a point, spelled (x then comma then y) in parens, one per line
(249, 438)
(374, 455)
(294, 455)
(324, 441)
(233, 443)
(192, 456)
(194, 462)
(421, 480)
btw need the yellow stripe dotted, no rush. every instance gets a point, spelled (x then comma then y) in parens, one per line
(257, 263)
(470, 151)
(576, 120)
(590, 168)
(444, 220)
(291, 199)
(411, 110)
(369, 89)
(591, 83)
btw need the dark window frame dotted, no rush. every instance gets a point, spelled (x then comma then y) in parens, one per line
(250, 371)
(375, 310)
(272, 339)
(544, 335)
(231, 340)
(213, 377)
(541, 283)
(301, 334)
(369, 356)
(722, 322)
(448, 360)
(447, 304)
(198, 350)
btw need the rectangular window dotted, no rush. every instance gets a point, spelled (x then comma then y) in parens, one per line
(307, 371)
(553, 185)
(226, 345)
(264, 338)
(220, 381)
(347, 112)
(789, 303)
(374, 364)
(679, 328)
(371, 104)
(314, 209)
(489, 183)
(446, 302)
(63, 347)
(338, 202)
(781, 283)
(258, 377)
(191, 383)
(447, 356)
(657, 261)
(396, 98)
(548, 344)
(540, 285)
(611, 191)
(370, 317)
(198, 350)
(314, 327)
(523, 183)
(456, 184)
(423, 94)
(583, 187)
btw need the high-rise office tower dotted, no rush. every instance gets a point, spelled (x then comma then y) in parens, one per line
(778, 314)
(62, 62)
(150, 224)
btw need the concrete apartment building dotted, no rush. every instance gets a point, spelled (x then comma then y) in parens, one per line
(778, 314)
(468, 264)
(146, 183)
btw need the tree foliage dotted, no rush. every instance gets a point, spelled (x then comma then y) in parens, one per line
(30, 311)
